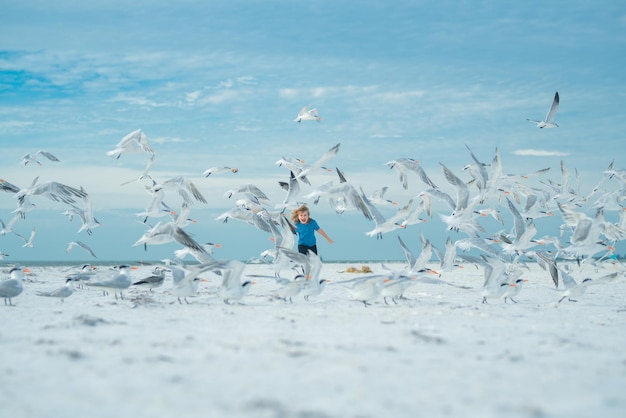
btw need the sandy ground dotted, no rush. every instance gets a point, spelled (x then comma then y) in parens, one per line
(439, 352)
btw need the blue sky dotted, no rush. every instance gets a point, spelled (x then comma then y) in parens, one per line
(219, 83)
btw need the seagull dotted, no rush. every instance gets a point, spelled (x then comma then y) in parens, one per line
(250, 191)
(52, 190)
(524, 234)
(86, 273)
(479, 173)
(246, 215)
(313, 285)
(366, 288)
(462, 217)
(28, 242)
(186, 283)
(89, 222)
(61, 293)
(219, 170)
(183, 185)
(513, 289)
(5, 186)
(291, 288)
(448, 259)
(234, 290)
(378, 197)
(307, 114)
(32, 158)
(384, 225)
(416, 264)
(182, 219)
(319, 164)
(165, 232)
(13, 286)
(395, 288)
(294, 164)
(205, 256)
(575, 290)
(81, 245)
(117, 283)
(232, 287)
(585, 239)
(283, 235)
(157, 207)
(155, 280)
(498, 277)
(293, 190)
(549, 122)
(135, 141)
(404, 165)
(341, 195)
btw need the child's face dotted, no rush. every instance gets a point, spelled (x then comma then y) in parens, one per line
(303, 216)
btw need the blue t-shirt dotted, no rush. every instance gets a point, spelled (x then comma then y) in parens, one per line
(306, 232)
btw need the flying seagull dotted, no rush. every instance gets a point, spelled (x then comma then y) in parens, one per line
(549, 122)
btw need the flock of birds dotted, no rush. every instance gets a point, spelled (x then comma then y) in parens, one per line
(485, 190)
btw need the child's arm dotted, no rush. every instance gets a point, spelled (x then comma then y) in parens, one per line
(322, 233)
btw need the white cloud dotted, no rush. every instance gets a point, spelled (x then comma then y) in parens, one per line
(220, 97)
(385, 136)
(539, 153)
(193, 96)
(137, 101)
(9, 125)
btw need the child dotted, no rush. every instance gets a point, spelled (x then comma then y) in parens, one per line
(305, 228)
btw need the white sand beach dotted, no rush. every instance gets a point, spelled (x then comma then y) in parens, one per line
(440, 352)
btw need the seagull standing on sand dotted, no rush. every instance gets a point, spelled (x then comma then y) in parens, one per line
(116, 283)
(13, 286)
(549, 121)
(513, 290)
(61, 293)
(156, 279)
(86, 273)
